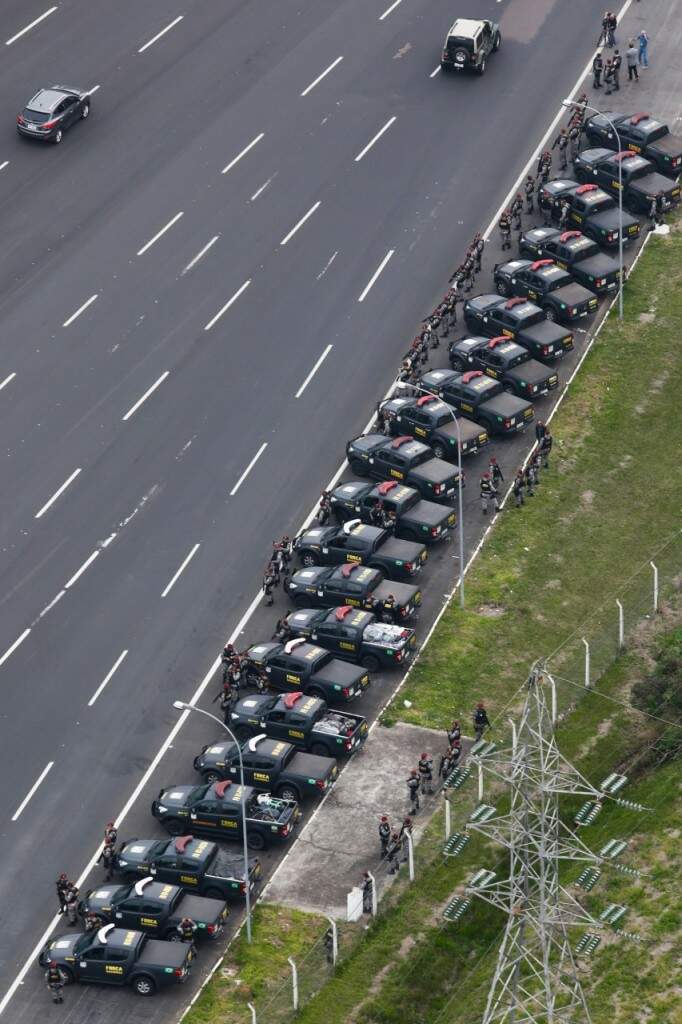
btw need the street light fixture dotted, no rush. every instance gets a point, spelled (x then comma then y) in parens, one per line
(404, 384)
(181, 705)
(571, 104)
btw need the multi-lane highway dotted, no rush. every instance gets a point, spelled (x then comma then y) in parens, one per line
(203, 291)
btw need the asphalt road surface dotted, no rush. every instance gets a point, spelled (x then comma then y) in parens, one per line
(160, 323)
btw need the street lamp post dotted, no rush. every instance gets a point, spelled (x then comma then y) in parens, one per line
(404, 384)
(571, 104)
(181, 705)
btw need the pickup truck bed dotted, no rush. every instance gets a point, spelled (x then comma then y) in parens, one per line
(157, 953)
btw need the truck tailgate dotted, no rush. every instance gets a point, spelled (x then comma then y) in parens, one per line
(202, 908)
(310, 766)
(158, 953)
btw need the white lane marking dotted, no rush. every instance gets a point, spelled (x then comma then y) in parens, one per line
(79, 572)
(376, 274)
(12, 649)
(80, 310)
(181, 569)
(389, 9)
(161, 33)
(375, 139)
(301, 222)
(435, 72)
(91, 92)
(243, 153)
(227, 305)
(7, 380)
(107, 678)
(145, 396)
(328, 265)
(261, 189)
(23, 31)
(32, 790)
(248, 469)
(56, 494)
(53, 602)
(202, 252)
(314, 370)
(319, 78)
(158, 235)
(4, 164)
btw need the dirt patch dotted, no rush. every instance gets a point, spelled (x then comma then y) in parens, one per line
(646, 318)
(491, 611)
(553, 585)
(586, 499)
(377, 982)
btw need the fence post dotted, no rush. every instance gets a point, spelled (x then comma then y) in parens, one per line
(480, 782)
(655, 568)
(513, 726)
(587, 662)
(621, 626)
(410, 855)
(553, 689)
(335, 940)
(374, 893)
(294, 982)
(448, 822)
(254, 1018)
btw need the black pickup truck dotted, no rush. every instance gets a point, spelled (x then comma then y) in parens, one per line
(117, 956)
(405, 460)
(305, 721)
(217, 810)
(504, 361)
(269, 764)
(432, 421)
(641, 133)
(520, 320)
(483, 398)
(296, 666)
(154, 907)
(575, 252)
(356, 585)
(355, 635)
(591, 209)
(197, 865)
(415, 518)
(640, 180)
(359, 542)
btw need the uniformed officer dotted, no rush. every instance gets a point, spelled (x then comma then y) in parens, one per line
(546, 448)
(405, 831)
(574, 133)
(479, 246)
(55, 982)
(186, 930)
(540, 430)
(91, 921)
(488, 493)
(518, 487)
(269, 583)
(110, 834)
(597, 68)
(495, 472)
(387, 607)
(413, 790)
(481, 720)
(444, 765)
(455, 753)
(106, 858)
(536, 459)
(282, 631)
(367, 893)
(454, 732)
(562, 142)
(529, 189)
(62, 888)
(71, 902)
(504, 224)
(425, 768)
(393, 853)
(384, 834)
(468, 268)
(545, 165)
(517, 210)
(529, 480)
(328, 943)
(455, 294)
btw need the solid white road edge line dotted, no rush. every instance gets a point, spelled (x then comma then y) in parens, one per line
(4, 164)
(161, 33)
(200, 690)
(227, 305)
(319, 78)
(375, 275)
(23, 31)
(32, 790)
(243, 153)
(145, 396)
(12, 649)
(7, 380)
(375, 139)
(201, 253)
(107, 678)
(435, 72)
(389, 9)
(56, 494)
(79, 572)
(314, 370)
(81, 309)
(248, 469)
(300, 224)
(181, 569)
(158, 235)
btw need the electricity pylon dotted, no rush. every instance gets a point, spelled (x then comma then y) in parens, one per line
(536, 979)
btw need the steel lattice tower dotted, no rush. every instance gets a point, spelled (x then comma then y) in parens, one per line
(535, 980)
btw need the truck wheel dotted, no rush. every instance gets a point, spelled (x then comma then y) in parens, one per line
(549, 313)
(308, 559)
(214, 894)
(502, 288)
(358, 468)
(319, 750)
(211, 777)
(287, 792)
(371, 663)
(174, 826)
(144, 985)
(497, 43)
(461, 56)
(439, 450)
(255, 841)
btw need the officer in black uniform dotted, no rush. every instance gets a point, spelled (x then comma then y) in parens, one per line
(504, 224)
(546, 448)
(384, 834)
(481, 720)
(186, 930)
(405, 831)
(106, 859)
(496, 474)
(413, 790)
(479, 246)
(55, 982)
(425, 768)
(517, 210)
(62, 889)
(529, 189)
(562, 142)
(454, 732)
(328, 942)
(367, 893)
(393, 853)
(518, 487)
(488, 493)
(110, 834)
(597, 68)
(540, 430)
